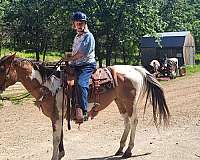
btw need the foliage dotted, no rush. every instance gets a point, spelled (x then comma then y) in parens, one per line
(43, 26)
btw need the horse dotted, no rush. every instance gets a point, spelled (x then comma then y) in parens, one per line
(134, 83)
(155, 67)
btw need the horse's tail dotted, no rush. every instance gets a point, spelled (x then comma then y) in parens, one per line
(156, 93)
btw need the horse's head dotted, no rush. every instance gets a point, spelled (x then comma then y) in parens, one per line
(8, 74)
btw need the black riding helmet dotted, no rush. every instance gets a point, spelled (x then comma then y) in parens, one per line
(79, 16)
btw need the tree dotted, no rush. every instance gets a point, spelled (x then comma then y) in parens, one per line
(30, 23)
(117, 25)
(177, 14)
(3, 36)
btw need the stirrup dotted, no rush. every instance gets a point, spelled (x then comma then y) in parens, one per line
(85, 116)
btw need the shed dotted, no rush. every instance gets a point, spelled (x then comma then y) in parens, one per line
(171, 45)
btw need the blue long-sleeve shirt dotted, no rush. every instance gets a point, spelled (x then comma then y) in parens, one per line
(84, 44)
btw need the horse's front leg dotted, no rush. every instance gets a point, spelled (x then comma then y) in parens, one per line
(57, 131)
(61, 147)
(58, 148)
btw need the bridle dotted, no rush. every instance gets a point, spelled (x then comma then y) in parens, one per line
(6, 77)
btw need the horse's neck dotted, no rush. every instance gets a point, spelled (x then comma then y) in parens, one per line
(33, 87)
(31, 84)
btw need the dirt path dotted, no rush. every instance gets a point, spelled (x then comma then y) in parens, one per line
(25, 133)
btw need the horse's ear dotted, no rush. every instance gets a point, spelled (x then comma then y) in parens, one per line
(13, 55)
(11, 58)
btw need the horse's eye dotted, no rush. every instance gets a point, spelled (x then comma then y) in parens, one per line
(2, 69)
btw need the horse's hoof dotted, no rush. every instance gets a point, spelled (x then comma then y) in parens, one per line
(127, 155)
(119, 153)
(61, 155)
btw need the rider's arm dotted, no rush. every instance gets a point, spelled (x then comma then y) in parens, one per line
(86, 47)
(73, 57)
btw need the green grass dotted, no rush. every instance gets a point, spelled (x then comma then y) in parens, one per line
(50, 56)
(192, 69)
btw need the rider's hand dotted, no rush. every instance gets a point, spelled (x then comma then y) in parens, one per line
(68, 56)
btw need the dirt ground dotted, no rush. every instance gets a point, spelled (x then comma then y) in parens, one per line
(26, 134)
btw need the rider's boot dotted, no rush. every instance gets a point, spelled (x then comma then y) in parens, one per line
(79, 115)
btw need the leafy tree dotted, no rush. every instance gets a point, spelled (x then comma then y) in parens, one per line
(30, 23)
(177, 14)
(3, 36)
(117, 25)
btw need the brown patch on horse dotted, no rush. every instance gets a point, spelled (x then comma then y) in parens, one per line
(23, 67)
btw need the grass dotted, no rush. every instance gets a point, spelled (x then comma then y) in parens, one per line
(50, 56)
(191, 69)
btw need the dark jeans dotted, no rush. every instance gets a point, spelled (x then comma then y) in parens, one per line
(83, 74)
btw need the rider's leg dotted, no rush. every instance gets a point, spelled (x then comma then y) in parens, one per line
(83, 76)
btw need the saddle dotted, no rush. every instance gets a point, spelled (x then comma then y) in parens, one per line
(103, 79)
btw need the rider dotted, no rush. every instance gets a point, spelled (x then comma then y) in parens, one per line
(83, 61)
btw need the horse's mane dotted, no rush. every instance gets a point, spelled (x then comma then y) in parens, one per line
(3, 59)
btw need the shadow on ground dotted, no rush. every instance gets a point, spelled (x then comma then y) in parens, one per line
(115, 157)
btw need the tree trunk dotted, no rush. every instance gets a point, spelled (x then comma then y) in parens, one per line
(37, 54)
(100, 63)
(124, 55)
(45, 49)
(108, 55)
(115, 58)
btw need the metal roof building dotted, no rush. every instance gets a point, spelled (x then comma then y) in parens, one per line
(171, 45)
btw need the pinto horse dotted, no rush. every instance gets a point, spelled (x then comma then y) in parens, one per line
(134, 84)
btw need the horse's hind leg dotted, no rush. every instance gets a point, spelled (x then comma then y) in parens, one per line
(126, 125)
(133, 125)
(131, 122)
(124, 135)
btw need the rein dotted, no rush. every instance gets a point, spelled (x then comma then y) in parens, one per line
(15, 98)
(65, 88)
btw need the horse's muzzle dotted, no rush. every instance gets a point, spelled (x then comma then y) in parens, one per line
(2, 89)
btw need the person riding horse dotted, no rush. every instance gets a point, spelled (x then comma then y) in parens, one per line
(83, 61)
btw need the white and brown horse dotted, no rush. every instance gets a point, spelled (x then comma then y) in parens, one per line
(134, 83)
